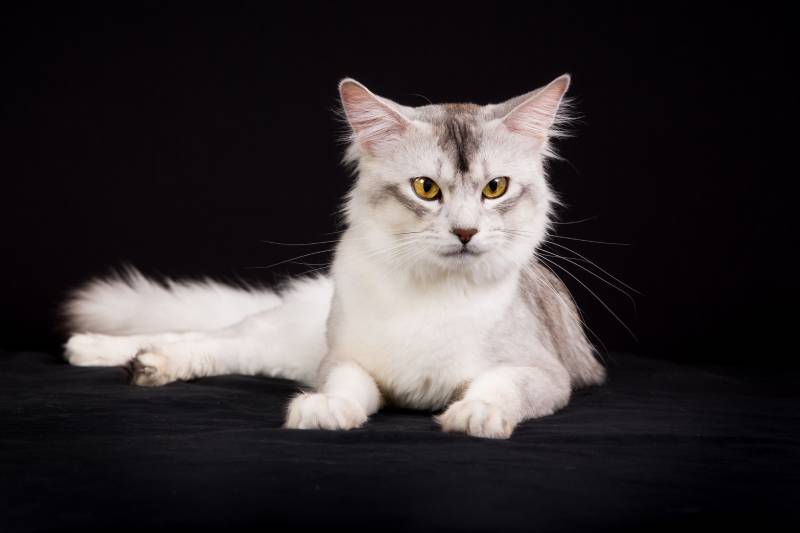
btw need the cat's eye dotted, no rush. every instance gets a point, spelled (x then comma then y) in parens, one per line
(425, 188)
(496, 188)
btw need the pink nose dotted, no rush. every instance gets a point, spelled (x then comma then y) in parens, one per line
(464, 234)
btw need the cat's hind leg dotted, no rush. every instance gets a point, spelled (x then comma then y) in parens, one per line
(285, 341)
(96, 349)
(288, 342)
(211, 354)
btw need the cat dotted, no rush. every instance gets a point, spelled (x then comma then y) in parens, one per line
(435, 299)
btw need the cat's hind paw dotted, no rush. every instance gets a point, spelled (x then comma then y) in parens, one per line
(319, 411)
(94, 349)
(149, 369)
(477, 419)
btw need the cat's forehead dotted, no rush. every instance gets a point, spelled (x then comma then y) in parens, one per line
(458, 131)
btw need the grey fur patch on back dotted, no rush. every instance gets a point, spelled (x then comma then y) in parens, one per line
(562, 326)
(458, 133)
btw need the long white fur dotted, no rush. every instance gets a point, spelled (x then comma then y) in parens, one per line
(286, 339)
(128, 303)
(396, 320)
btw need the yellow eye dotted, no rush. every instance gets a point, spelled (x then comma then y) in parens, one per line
(496, 188)
(425, 188)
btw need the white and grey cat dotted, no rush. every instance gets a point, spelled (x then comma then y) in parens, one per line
(435, 300)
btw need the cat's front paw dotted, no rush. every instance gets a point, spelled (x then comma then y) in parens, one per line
(94, 349)
(149, 369)
(478, 419)
(319, 411)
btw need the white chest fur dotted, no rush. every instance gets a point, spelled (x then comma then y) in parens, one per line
(421, 343)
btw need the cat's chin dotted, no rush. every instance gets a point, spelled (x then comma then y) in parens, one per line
(465, 260)
(478, 266)
(464, 253)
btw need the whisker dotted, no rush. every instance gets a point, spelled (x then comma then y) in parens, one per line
(563, 303)
(551, 254)
(593, 294)
(591, 241)
(601, 269)
(526, 232)
(575, 221)
(400, 242)
(306, 263)
(295, 258)
(299, 243)
(313, 270)
(581, 256)
(539, 278)
(423, 97)
(395, 249)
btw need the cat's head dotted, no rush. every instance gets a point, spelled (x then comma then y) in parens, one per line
(451, 189)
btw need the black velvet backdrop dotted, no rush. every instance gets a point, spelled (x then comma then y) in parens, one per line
(177, 138)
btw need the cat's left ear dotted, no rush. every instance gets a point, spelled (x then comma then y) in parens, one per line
(375, 121)
(536, 114)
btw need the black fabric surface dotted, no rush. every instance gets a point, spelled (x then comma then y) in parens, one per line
(659, 446)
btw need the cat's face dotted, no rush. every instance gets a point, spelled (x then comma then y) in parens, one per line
(453, 189)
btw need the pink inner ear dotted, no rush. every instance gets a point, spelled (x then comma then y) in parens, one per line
(535, 116)
(373, 121)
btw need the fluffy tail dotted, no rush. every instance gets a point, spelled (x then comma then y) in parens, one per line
(129, 304)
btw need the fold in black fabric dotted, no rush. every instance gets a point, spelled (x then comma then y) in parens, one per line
(659, 446)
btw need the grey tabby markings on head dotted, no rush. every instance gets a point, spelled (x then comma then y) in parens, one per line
(507, 205)
(393, 191)
(458, 133)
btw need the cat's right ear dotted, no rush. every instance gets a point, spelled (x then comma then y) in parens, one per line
(374, 120)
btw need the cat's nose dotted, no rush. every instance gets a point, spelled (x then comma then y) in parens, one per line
(464, 234)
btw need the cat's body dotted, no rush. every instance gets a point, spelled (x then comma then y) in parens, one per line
(435, 296)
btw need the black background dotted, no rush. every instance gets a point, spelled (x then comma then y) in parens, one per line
(177, 139)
